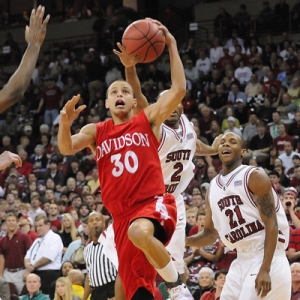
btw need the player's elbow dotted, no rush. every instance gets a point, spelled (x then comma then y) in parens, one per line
(65, 150)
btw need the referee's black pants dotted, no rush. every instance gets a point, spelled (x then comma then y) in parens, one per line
(103, 292)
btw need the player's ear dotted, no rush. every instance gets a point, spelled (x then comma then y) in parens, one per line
(244, 152)
(134, 103)
(106, 104)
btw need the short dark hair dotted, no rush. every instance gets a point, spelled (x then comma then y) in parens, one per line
(274, 173)
(219, 272)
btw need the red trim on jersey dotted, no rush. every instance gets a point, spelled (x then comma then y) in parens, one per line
(218, 181)
(162, 138)
(248, 192)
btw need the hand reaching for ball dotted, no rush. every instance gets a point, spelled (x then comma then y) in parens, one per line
(168, 36)
(126, 60)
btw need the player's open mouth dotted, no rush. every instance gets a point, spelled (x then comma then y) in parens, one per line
(120, 103)
(226, 152)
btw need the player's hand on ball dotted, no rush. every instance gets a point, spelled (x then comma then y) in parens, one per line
(168, 36)
(263, 283)
(126, 60)
(7, 158)
(36, 31)
(68, 114)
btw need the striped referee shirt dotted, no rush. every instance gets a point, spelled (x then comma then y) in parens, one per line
(100, 269)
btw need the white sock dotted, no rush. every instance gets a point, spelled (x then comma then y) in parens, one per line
(169, 272)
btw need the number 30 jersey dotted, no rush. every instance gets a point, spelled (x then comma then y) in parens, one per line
(235, 214)
(128, 164)
(176, 152)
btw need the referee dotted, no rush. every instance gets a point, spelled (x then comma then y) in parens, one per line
(102, 274)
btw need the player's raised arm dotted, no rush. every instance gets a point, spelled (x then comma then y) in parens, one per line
(168, 102)
(205, 150)
(19, 81)
(129, 63)
(70, 144)
(259, 184)
(209, 234)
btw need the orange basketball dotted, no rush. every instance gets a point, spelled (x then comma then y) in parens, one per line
(144, 40)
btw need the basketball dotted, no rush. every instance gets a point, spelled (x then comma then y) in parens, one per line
(144, 40)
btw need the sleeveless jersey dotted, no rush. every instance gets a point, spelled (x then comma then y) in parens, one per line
(128, 163)
(235, 214)
(176, 153)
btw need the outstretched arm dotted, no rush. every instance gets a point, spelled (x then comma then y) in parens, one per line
(18, 83)
(70, 144)
(132, 77)
(168, 102)
(209, 234)
(205, 150)
(259, 184)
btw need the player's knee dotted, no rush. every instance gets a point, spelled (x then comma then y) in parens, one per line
(140, 231)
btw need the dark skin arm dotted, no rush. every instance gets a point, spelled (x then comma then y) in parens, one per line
(259, 184)
(19, 81)
(209, 234)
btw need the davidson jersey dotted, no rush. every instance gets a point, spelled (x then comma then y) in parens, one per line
(128, 163)
(176, 152)
(235, 213)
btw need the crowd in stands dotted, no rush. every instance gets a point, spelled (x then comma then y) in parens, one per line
(243, 84)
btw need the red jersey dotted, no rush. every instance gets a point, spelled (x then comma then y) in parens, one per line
(128, 163)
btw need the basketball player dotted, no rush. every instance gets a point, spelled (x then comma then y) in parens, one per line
(243, 208)
(15, 88)
(131, 179)
(177, 148)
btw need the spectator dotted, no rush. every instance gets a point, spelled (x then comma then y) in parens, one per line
(13, 248)
(223, 24)
(4, 289)
(63, 290)
(295, 128)
(53, 173)
(287, 156)
(206, 118)
(205, 280)
(252, 88)
(26, 226)
(296, 161)
(76, 278)
(294, 91)
(242, 20)
(243, 73)
(289, 204)
(295, 270)
(295, 181)
(35, 201)
(230, 113)
(274, 127)
(52, 97)
(216, 52)
(260, 144)
(266, 18)
(234, 36)
(191, 74)
(33, 286)
(44, 256)
(279, 141)
(275, 179)
(203, 64)
(68, 232)
(282, 12)
(53, 218)
(236, 94)
(71, 88)
(26, 167)
(231, 126)
(250, 130)
(219, 281)
(65, 268)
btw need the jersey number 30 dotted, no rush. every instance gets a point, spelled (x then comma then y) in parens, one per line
(129, 162)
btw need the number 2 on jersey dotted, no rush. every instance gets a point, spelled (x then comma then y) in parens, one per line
(176, 175)
(130, 163)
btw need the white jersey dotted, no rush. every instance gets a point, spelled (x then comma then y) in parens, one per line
(176, 152)
(235, 214)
